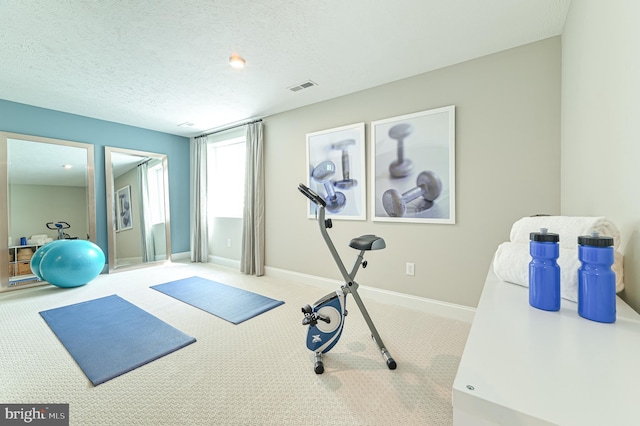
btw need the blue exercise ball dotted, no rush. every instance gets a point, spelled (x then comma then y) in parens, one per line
(37, 257)
(71, 263)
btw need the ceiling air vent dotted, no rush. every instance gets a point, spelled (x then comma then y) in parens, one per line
(301, 86)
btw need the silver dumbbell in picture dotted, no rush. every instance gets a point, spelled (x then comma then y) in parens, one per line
(346, 182)
(401, 167)
(429, 186)
(323, 173)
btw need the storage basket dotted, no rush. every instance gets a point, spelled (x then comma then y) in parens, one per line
(25, 254)
(24, 269)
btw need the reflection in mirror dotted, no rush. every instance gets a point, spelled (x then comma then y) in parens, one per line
(48, 185)
(137, 208)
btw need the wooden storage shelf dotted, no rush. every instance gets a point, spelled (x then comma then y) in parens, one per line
(20, 264)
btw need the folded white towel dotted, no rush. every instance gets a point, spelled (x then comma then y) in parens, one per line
(568, 227)
(36, 241)
(511, 264)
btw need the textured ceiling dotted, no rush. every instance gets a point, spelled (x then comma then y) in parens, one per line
(159, 63)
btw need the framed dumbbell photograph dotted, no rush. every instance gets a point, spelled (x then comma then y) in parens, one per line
(336, 171)
(124, 208)
(413, 167)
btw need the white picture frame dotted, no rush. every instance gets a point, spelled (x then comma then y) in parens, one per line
(336, 170)
(407, 150)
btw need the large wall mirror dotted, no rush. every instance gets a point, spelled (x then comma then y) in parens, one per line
(48, 186)
(137, 208)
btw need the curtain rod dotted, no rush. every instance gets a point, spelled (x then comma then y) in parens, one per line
(224, 129)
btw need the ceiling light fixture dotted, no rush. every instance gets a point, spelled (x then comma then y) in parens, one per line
(67, 166)
(236, 61)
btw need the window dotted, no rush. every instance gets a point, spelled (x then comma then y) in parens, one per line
(225, 171)
(155, 181)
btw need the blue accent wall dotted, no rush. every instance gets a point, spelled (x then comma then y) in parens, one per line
(30, 120)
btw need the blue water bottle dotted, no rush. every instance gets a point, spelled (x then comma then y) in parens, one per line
(596, 279)
(544, 272)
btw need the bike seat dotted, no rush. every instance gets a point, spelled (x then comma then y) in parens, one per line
(367, 242)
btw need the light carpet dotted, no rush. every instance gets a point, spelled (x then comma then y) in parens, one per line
(255, 373)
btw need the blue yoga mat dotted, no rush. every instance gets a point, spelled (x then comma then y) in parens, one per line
(109, 336)
(229, 303)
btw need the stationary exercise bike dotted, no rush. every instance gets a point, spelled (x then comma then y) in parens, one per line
(326, 317)
(60, 226)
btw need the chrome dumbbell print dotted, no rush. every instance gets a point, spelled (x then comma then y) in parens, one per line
(346, 182)
(323, 173)
(401, 167)
(429, 187)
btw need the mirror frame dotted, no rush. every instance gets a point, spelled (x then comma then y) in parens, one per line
(4, 193)
(109, 180)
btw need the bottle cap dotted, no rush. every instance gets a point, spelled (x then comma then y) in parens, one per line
(595, 240)
(544, 236)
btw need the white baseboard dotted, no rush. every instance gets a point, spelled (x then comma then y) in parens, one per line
(181, 256)
(216, 260)
(431, 306)
(127, 261)
(223, 261)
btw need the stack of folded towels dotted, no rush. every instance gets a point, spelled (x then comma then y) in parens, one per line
(39, 239)
(511, 261)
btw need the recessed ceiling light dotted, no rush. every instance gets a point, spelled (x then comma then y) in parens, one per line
(236, 61)
(67, 166)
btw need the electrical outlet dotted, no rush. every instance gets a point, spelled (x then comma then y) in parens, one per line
(411, 269)
(228, 242)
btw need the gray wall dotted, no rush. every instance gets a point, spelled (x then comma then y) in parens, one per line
(225, 238)
(54, 203)
(600, 115)
(507, 167)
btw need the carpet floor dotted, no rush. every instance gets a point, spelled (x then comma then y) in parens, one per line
(256, 373)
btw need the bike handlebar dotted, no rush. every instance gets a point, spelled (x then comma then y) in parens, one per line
(311, 195)
(58, 225)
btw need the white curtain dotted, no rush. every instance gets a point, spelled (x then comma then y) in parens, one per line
(199, 225)
(148, 247)
(252, 258)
